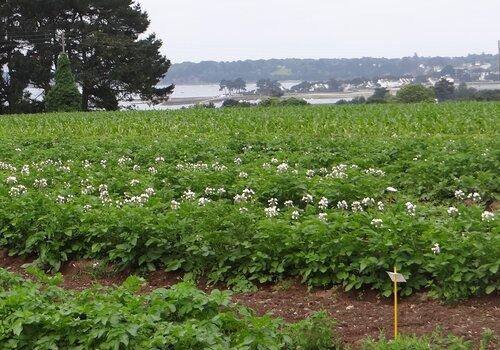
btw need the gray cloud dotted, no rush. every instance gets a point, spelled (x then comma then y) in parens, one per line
(195, 30)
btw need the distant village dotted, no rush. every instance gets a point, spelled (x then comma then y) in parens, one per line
(476, 72)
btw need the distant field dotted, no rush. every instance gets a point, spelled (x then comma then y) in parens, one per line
(332, 195)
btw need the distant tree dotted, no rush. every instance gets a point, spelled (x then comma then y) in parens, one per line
(112, 59)
(239, 85)
(235, 103)
(444, 90)
(464, 93)
(269, 87)
(64, 96)
(415, 93)
(334, 85)
(302, 87)
(229, 86)
(487, 95)
(380, 95)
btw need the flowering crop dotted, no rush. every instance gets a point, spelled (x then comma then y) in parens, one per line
(332, 195)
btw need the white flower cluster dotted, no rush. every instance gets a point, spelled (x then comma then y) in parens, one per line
(86, 164)
(377, 223)
(410, 208)
(282, 168)
(64, 199)
(159, 159)
(459, 194)
(310, 173)
(476, 197)
(288, 203)
(375, 172)
(243, 175)
(134, 182)
(338, 172)
(152, 170)
(11, 180)
(238, 161)
(188, 195)
(245, 196)
(203, 201)
(8, 167)
(343, 205)
(380, 206)
(307, 198)
(17, 190)
(323, 217)
(219, 167)
(273, 202)
(104, 194)
(323, 203)
(452, 211)
(40, 183)
(136, 167)
(124, 160)
(199, 166)
(487, 216)
(174, 204)
(356, 206)
(64, 169)
(436, 249)
(295, 215)
(104, 163)
(271, 212)
(25, 170)
(139, 200)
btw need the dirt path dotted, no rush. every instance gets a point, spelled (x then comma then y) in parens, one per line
(359, 314)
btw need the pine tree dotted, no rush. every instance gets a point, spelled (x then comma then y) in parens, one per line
(64, 96)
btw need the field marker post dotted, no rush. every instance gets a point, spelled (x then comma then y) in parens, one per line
(396, 277)
(395, 304)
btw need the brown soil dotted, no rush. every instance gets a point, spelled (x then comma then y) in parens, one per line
(358, 314)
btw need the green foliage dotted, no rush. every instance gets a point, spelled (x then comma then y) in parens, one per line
(276, 102)
(181, 317)
(109, 62)
(315, 333)
(380, 95)
(435, 341)
(415, 93)
(426, 151)
(235, 103)
(64, 95)
(444, 90)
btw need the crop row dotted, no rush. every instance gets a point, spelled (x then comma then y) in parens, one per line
(315, 195)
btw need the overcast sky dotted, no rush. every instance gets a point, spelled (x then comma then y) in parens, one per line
(227, 30)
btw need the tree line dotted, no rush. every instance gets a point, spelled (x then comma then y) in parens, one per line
(320, 69)
(111, 58)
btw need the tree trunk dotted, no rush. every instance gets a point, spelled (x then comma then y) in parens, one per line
(85, 98)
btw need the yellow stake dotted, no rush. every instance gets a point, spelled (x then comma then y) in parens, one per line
(395, 303)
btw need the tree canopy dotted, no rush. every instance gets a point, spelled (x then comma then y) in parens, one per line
(415, 93)
(64, 96)
(111, 58)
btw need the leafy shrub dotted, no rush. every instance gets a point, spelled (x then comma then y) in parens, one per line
(415, 93)
(181, 317)
(64, 95)
(292, 101)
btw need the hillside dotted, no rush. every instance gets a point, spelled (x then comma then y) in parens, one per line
(324, 69)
